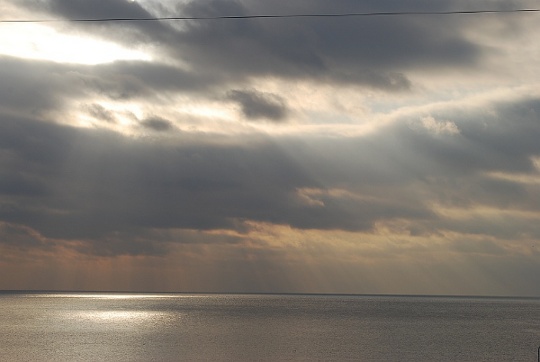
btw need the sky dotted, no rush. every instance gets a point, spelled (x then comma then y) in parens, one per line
(376, 154)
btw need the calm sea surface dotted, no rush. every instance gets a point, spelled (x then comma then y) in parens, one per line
(180, 327)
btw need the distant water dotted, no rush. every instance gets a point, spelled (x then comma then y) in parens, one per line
(179, 327)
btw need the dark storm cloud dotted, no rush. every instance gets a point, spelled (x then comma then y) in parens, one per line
(257, 105)
(376, 52)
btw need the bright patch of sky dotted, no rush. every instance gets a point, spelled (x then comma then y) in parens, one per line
(36, 41)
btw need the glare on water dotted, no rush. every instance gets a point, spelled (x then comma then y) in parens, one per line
(143, 327)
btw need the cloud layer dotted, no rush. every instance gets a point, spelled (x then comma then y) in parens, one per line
(305, 154)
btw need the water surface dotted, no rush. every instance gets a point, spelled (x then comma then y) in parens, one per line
(181, 327)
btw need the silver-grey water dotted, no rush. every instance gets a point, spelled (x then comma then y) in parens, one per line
(179, 327)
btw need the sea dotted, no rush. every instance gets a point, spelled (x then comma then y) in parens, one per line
(42, 326)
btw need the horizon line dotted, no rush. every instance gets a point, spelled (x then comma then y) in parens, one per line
(63, 291)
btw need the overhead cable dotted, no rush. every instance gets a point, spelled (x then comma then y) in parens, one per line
(275, 16)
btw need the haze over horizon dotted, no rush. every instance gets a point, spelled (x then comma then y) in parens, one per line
(369, 155)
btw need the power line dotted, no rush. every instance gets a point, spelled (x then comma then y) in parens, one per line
(276, 16)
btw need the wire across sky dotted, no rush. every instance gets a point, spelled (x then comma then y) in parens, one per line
(275, 16)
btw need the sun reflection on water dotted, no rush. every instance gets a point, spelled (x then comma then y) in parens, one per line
(107, 296)
(118, 315)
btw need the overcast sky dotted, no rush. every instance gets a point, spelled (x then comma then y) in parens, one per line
(378, 154)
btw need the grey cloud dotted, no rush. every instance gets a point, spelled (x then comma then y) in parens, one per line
(99, 9)
(416, 169)
(99, 183)
(131, 242)
(88, 184)
(156, 124)
(256, 105)
(96, 9)
(480, 247)
(502, 141)
(316, 45)
(150, 242)
(376, 52)
(507, 227)
(21, 237)
(19, 184)
(101, 113)
(132, 76)
(33, 87)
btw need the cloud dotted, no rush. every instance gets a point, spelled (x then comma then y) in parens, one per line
(156, 124)
(103, 183)
(99, 112)
(80, 9)
(374, 52)
(25, 84)
(256, 105)
(97, 182)
(369, 51)
(370, 141)
(21, 237)
(439, 127)
(206, 59)
(46, 89)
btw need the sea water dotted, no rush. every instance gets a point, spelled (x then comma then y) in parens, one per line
(182, 327)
